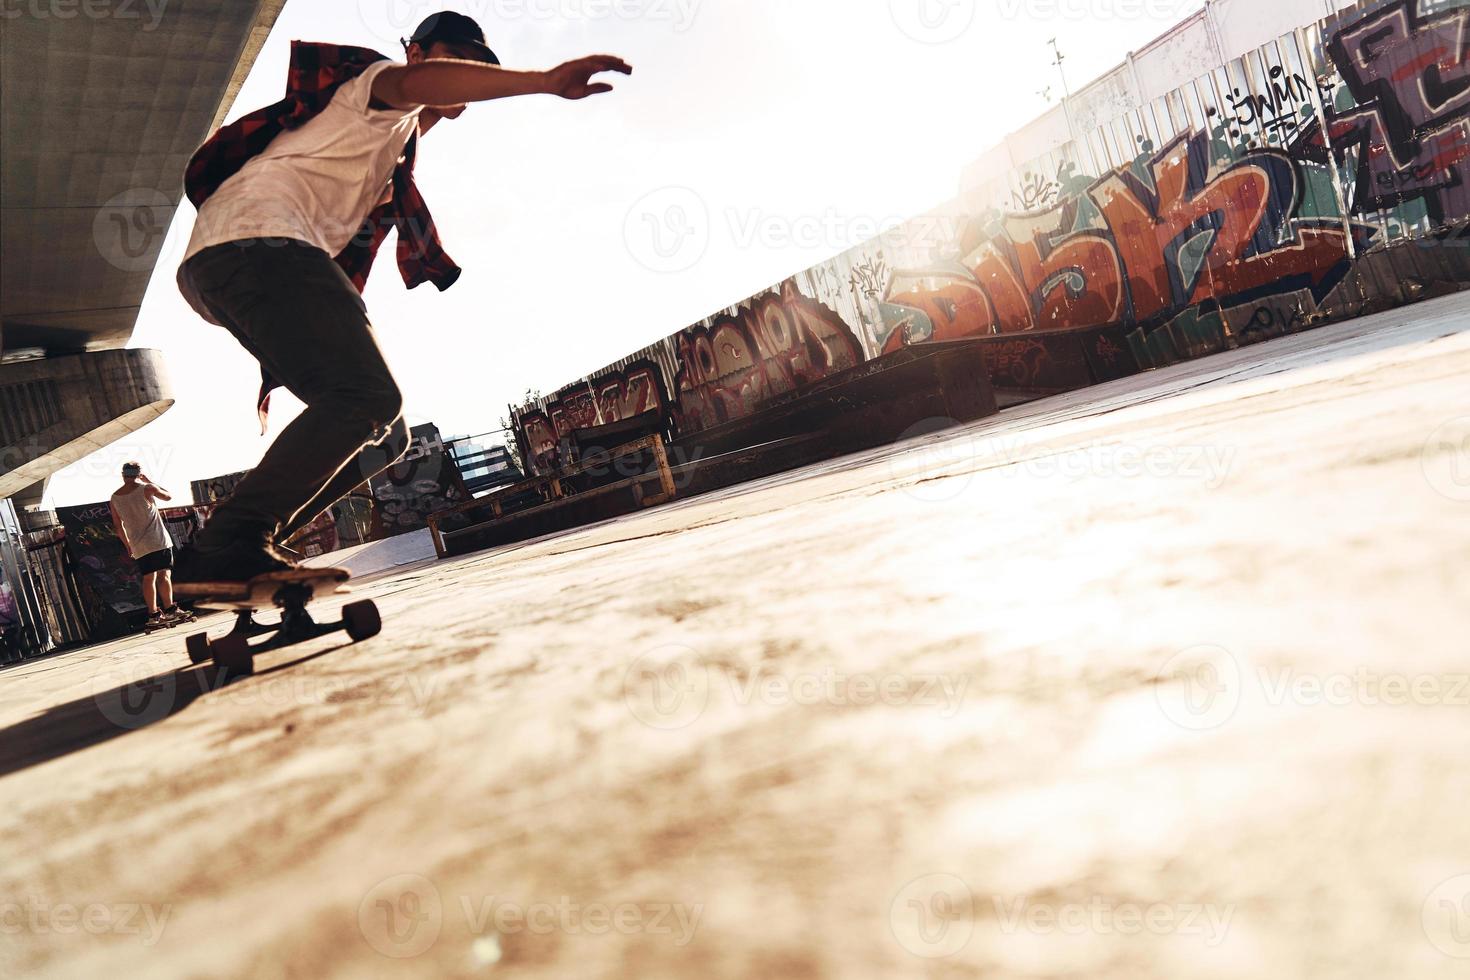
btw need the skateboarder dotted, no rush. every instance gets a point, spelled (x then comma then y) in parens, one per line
(140, 528)
(294, 201)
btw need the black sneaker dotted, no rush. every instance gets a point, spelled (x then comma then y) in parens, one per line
(238, 562)
(178, 614)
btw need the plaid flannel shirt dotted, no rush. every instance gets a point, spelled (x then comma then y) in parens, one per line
(316, 72)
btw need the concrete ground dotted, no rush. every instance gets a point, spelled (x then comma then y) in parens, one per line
(1165, 678)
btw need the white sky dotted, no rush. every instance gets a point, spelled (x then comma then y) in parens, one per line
(804, 114)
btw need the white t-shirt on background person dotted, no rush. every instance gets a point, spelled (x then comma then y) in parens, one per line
(141, 520)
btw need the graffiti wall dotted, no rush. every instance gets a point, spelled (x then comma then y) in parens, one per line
(1315, 177)
(426, 480)
(106, 576)
(217, 489)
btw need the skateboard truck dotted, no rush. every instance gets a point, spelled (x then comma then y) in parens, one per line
(234, 653)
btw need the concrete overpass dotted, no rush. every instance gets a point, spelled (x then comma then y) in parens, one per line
(103, 106)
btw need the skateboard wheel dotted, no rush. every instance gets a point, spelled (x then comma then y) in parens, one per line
(361, 620)
(198, 645)
(232, 653)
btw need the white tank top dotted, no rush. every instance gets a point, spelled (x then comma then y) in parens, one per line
(144, 524)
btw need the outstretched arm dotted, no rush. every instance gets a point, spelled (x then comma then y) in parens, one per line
(450, 82)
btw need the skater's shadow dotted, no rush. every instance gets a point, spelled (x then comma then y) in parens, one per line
(120, 705)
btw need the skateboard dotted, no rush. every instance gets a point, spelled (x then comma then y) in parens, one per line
(150, 628)
(290, 592)
(183, 617)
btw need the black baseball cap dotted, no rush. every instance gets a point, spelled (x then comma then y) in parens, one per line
(450, 27)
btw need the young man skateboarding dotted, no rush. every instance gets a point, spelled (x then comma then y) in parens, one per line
(140, 527)
(294, 201)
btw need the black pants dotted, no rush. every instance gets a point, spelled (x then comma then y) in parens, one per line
(298, 314)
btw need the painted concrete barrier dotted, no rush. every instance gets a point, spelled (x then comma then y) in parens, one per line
(1317, 177)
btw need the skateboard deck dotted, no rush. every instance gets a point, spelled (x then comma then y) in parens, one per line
(184, 617)
(262, 592)
(291, 592)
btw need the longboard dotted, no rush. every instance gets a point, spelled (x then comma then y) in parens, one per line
(291, 592)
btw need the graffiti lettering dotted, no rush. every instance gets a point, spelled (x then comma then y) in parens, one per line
(1408, 132)
(1198, 235)
(782, 341)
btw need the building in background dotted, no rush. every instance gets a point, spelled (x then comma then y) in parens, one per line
(484, 467)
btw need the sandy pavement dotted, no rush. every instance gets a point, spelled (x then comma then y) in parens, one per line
(1166, 678)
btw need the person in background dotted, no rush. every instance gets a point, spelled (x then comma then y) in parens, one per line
(140, 528)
